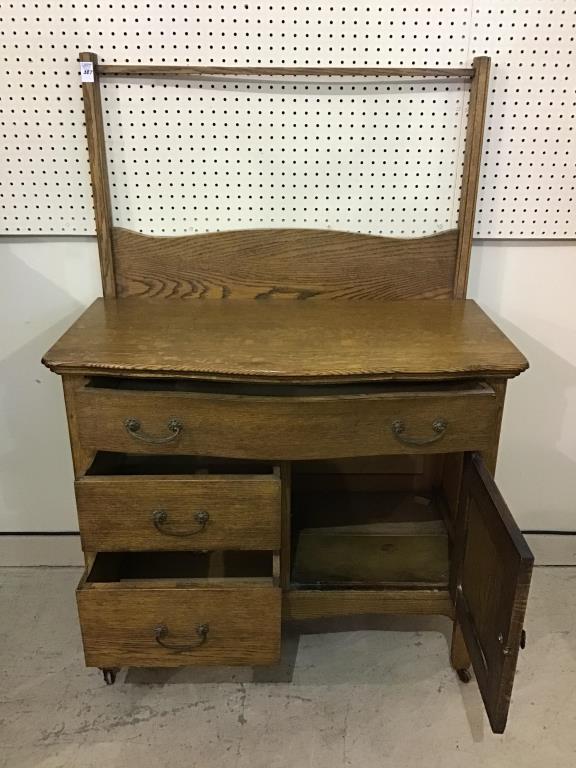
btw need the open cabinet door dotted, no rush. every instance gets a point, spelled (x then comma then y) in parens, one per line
(492, 587)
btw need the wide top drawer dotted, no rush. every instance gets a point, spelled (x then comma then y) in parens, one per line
(278, 423)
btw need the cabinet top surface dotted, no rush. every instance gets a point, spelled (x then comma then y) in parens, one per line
(289, 341)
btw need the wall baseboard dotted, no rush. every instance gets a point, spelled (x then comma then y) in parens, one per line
(54, 549)
(553, 548)
(40, 549)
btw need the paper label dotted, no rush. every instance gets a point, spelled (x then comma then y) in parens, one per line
(87, 71)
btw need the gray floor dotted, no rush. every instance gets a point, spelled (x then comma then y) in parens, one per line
(357, 696)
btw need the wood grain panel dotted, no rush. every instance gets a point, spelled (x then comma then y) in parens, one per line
(401, 472)
(118, 624)
(286, 341)
(397, 465)
(99, 175)
(376, 554)
(175, 70)
(288, 428)
(116, 513)
(286, 524)
(318, 604)
(471, 171)
(492, 589)
(284, 264)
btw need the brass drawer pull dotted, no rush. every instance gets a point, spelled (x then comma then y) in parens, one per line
(174, 426)
(160, 517)
(161, 632)
(438, 425)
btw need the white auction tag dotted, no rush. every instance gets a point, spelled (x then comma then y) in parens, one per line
(87, 71)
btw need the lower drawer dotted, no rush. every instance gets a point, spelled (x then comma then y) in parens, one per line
(180, 609)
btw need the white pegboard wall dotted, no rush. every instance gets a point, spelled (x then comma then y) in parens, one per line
(528, 178)
(221, 154)
(398, 157)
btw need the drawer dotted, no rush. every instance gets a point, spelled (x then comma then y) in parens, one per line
(334, 423)
(164, 512)
(179, 609)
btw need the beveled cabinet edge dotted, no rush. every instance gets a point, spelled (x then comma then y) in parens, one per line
(87, 370)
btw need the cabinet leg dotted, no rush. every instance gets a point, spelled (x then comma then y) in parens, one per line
(109, 674)
(459, 654)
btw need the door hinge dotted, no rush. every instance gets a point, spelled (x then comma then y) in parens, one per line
(506, 650)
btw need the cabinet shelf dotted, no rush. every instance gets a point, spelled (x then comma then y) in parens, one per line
(369, 539)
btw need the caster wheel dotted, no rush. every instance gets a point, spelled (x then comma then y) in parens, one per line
(109, 676)
(464, 675)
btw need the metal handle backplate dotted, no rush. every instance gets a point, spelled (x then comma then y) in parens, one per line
(134, 429)
(161, 632)
(160, 518)
(439, 426)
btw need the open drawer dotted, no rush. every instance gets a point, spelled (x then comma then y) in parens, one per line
(285, 423)
(151, 609)
(135, 503)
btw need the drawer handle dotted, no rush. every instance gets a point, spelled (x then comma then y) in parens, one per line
(399, 428)
(174, 426)
(161, 632)
(160, 518)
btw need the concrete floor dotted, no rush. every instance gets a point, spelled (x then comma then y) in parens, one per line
(358, 696)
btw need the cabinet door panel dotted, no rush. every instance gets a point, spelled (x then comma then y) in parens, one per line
(492, 588)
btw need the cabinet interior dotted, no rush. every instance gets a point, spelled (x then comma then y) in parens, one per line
(374, 522)
(125, 464)
(369, 538)
(199, 386)
(201, 567)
